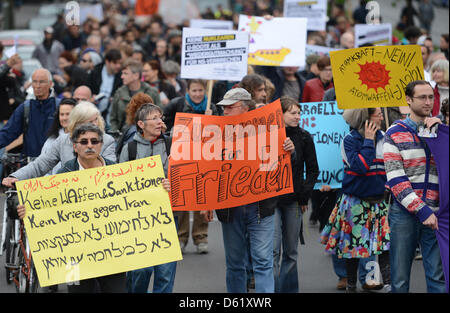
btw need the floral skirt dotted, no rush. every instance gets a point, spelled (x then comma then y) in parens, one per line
(356, 228)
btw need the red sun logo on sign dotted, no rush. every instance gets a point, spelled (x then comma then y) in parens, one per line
(374, 75)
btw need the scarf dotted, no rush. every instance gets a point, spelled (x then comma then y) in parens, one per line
(198, 107)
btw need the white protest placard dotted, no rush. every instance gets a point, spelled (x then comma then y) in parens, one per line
(275, 42)
(314, 11)
(376, 34)
(319, 50)
(13, 50)
(95, 11)
(214, 54)
(211, 24)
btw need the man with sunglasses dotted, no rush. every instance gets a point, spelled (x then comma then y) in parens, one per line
(87, 142)
(412, 178)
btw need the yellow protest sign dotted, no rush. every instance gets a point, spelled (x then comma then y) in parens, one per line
(371, 77)
(99, 221)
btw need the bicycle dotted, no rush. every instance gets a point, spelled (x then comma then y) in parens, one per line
(18, 261)
(25, 276)
(10, 232)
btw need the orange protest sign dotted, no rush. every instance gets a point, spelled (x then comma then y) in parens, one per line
(219, 162)
(373, 77)
(146, 7)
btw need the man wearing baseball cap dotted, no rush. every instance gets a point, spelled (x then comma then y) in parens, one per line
(252, 222)
(48, 51)
(237, 98)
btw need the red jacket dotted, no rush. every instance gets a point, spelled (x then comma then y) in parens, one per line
(314, 90)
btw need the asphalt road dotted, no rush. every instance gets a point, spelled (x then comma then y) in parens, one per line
(206, 273)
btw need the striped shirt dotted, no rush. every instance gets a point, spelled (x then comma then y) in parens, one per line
(411, 171)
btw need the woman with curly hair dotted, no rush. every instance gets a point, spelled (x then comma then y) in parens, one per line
(133, 106)
(358, 227)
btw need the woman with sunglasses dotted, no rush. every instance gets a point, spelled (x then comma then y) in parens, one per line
(61, 150)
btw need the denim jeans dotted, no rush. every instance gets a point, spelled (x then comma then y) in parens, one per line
(406, 232)
(246, 222)
(363, 268)
(288, 219)
(138, 280)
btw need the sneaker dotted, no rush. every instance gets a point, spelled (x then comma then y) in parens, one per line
(418, 257)
(351, 289)
(202, 248)
(387, 288)
(372, 287)
(342, 284)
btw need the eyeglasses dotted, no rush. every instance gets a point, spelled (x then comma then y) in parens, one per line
(85, 142)
(425, 97)
(39, 82)
(231, 107)
(155, 118)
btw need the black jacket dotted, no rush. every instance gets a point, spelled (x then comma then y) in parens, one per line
(265, 208)
(180, 104)
(276, 76)
(304, 157)
(95, 80)
(72, 165)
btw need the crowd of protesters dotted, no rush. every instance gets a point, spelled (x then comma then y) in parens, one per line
(120, 75)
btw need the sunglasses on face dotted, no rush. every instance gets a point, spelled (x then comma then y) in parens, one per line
(85, 142)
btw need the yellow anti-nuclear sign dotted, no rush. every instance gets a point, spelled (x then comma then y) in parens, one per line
(371, 77)
(99, 221)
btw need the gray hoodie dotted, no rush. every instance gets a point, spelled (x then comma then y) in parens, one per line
(61, 150)
(145, 149)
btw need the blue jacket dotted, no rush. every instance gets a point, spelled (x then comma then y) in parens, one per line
(364, 173)
(42, 113)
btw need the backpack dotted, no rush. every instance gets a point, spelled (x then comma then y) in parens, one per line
(125, 137)
(132, 147)
(26, 117)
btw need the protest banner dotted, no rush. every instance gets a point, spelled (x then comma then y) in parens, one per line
(214, 54)
(146, 7)
(314, 11)
(372, 77)
(174, 11)
(323, 120)
(99, 221)
(319, 50)
(211, 24)
(271, 41)
(219, 162)
(93, 11)
(375, 34)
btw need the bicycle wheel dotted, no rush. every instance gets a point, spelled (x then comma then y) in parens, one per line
(11, 247)
(33, 283)
(21, 278)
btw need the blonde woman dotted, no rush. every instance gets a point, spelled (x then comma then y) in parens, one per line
(61, 149)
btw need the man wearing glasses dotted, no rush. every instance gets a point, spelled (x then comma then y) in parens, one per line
(412, 178)
(87, 142)
(34, 117)
(149, 140)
